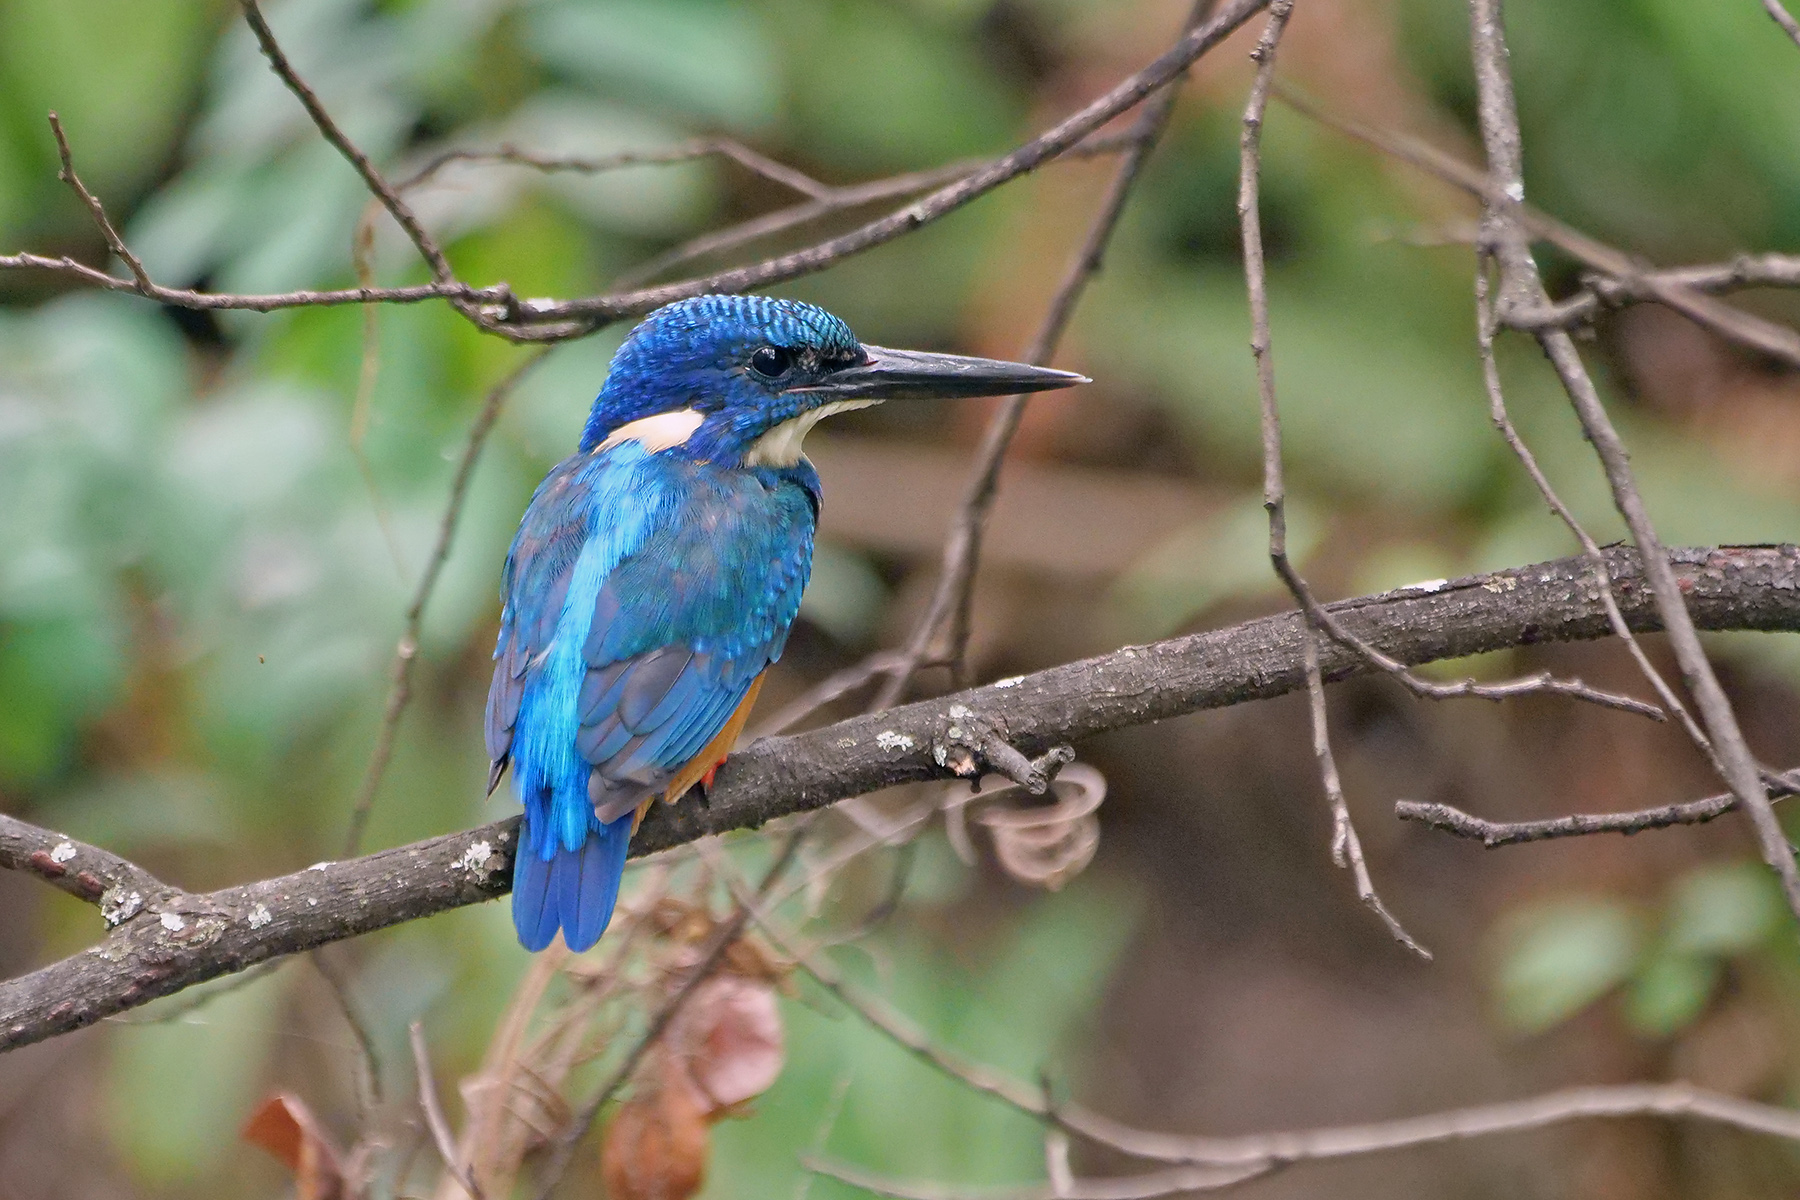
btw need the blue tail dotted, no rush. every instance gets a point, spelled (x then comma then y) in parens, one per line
(572, 890)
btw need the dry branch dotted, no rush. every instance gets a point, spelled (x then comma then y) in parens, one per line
(496, 310)
(180, 939)
(1521, 288)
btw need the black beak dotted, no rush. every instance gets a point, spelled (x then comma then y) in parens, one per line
(896, 374)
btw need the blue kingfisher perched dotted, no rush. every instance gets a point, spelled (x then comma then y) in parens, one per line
(658, 570)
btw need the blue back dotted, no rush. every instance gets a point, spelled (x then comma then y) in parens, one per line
(643, 595)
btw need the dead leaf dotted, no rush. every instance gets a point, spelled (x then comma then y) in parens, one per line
(656, 1144)
(728, 1040)
(286, 1128)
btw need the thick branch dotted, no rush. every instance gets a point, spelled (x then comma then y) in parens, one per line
(85, 872)
(184, 939)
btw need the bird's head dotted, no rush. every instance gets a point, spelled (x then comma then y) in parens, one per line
(739, 380)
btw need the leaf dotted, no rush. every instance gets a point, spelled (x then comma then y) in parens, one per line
(727, 1042)
(1670, 992)
(656, 1144)
(1563, 955)
(285, 1127)
(1724, 910)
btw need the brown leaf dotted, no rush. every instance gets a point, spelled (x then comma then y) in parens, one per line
(286, 1128)
(729, 1041)
(656, 1144)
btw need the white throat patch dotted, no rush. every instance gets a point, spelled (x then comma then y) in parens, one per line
(658, 432)
(781, 446)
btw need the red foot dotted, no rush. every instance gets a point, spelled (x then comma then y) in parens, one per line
(706, 779)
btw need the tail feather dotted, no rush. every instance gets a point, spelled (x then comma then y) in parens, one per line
(573, 890)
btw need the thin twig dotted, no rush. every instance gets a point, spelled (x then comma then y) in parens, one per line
(1260, 1152)
(113, 241)
(836, 200)
(1669, 1100)
(1522, 287)
(562, 1151)
(1051, 144)
(952, 599)
(406, 651)
(1493, 834)
(497, 294)
(368, 1073)
(1346, 847)
(1600, 293)
(1153, 1185)
(510, 155)
(434, 1115)
(496, 310)
(362, 250)
(372, 179)
(1540, 313)
(832, 688)
(1783, 18)
(1486, 327)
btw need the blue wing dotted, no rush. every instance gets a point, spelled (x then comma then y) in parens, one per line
(644, 595)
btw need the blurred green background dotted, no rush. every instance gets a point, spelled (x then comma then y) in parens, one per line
(201, 584)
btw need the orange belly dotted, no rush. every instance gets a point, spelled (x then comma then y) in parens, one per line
(703, 764)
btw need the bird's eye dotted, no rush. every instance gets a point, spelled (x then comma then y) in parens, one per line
(772, 362)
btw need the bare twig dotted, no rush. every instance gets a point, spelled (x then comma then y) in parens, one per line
(1521, 287)
(1668, 1100)
(496, 310)
(1051, 144)
(1783, 18)
(1346, 847)
(952, 599)
(372, 179)
(1256, 1153)
(831, 689)
(368, 1073)
(113, 241)
(836, 200)
(727, 934)
(1667, 288)
(434, 1114)
(120, 887)
(497, 294)
(1511, 833)
(1600, 292)
(1150, 1186)
(406, 651)
(730, 148)
(1486, 327)
(169, 940)
(362, 251)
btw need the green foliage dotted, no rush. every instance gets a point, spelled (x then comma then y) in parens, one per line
(1559, 956)
(1013, 1001)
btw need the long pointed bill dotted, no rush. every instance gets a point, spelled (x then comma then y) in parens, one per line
(896, 374)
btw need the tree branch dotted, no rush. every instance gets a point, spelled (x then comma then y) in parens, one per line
(1521, 287)
(181, 939)
(952, 599)
(496, 310)
(1493, 834)
(1213, 1162)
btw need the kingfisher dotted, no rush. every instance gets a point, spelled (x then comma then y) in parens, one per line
(657, 571)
